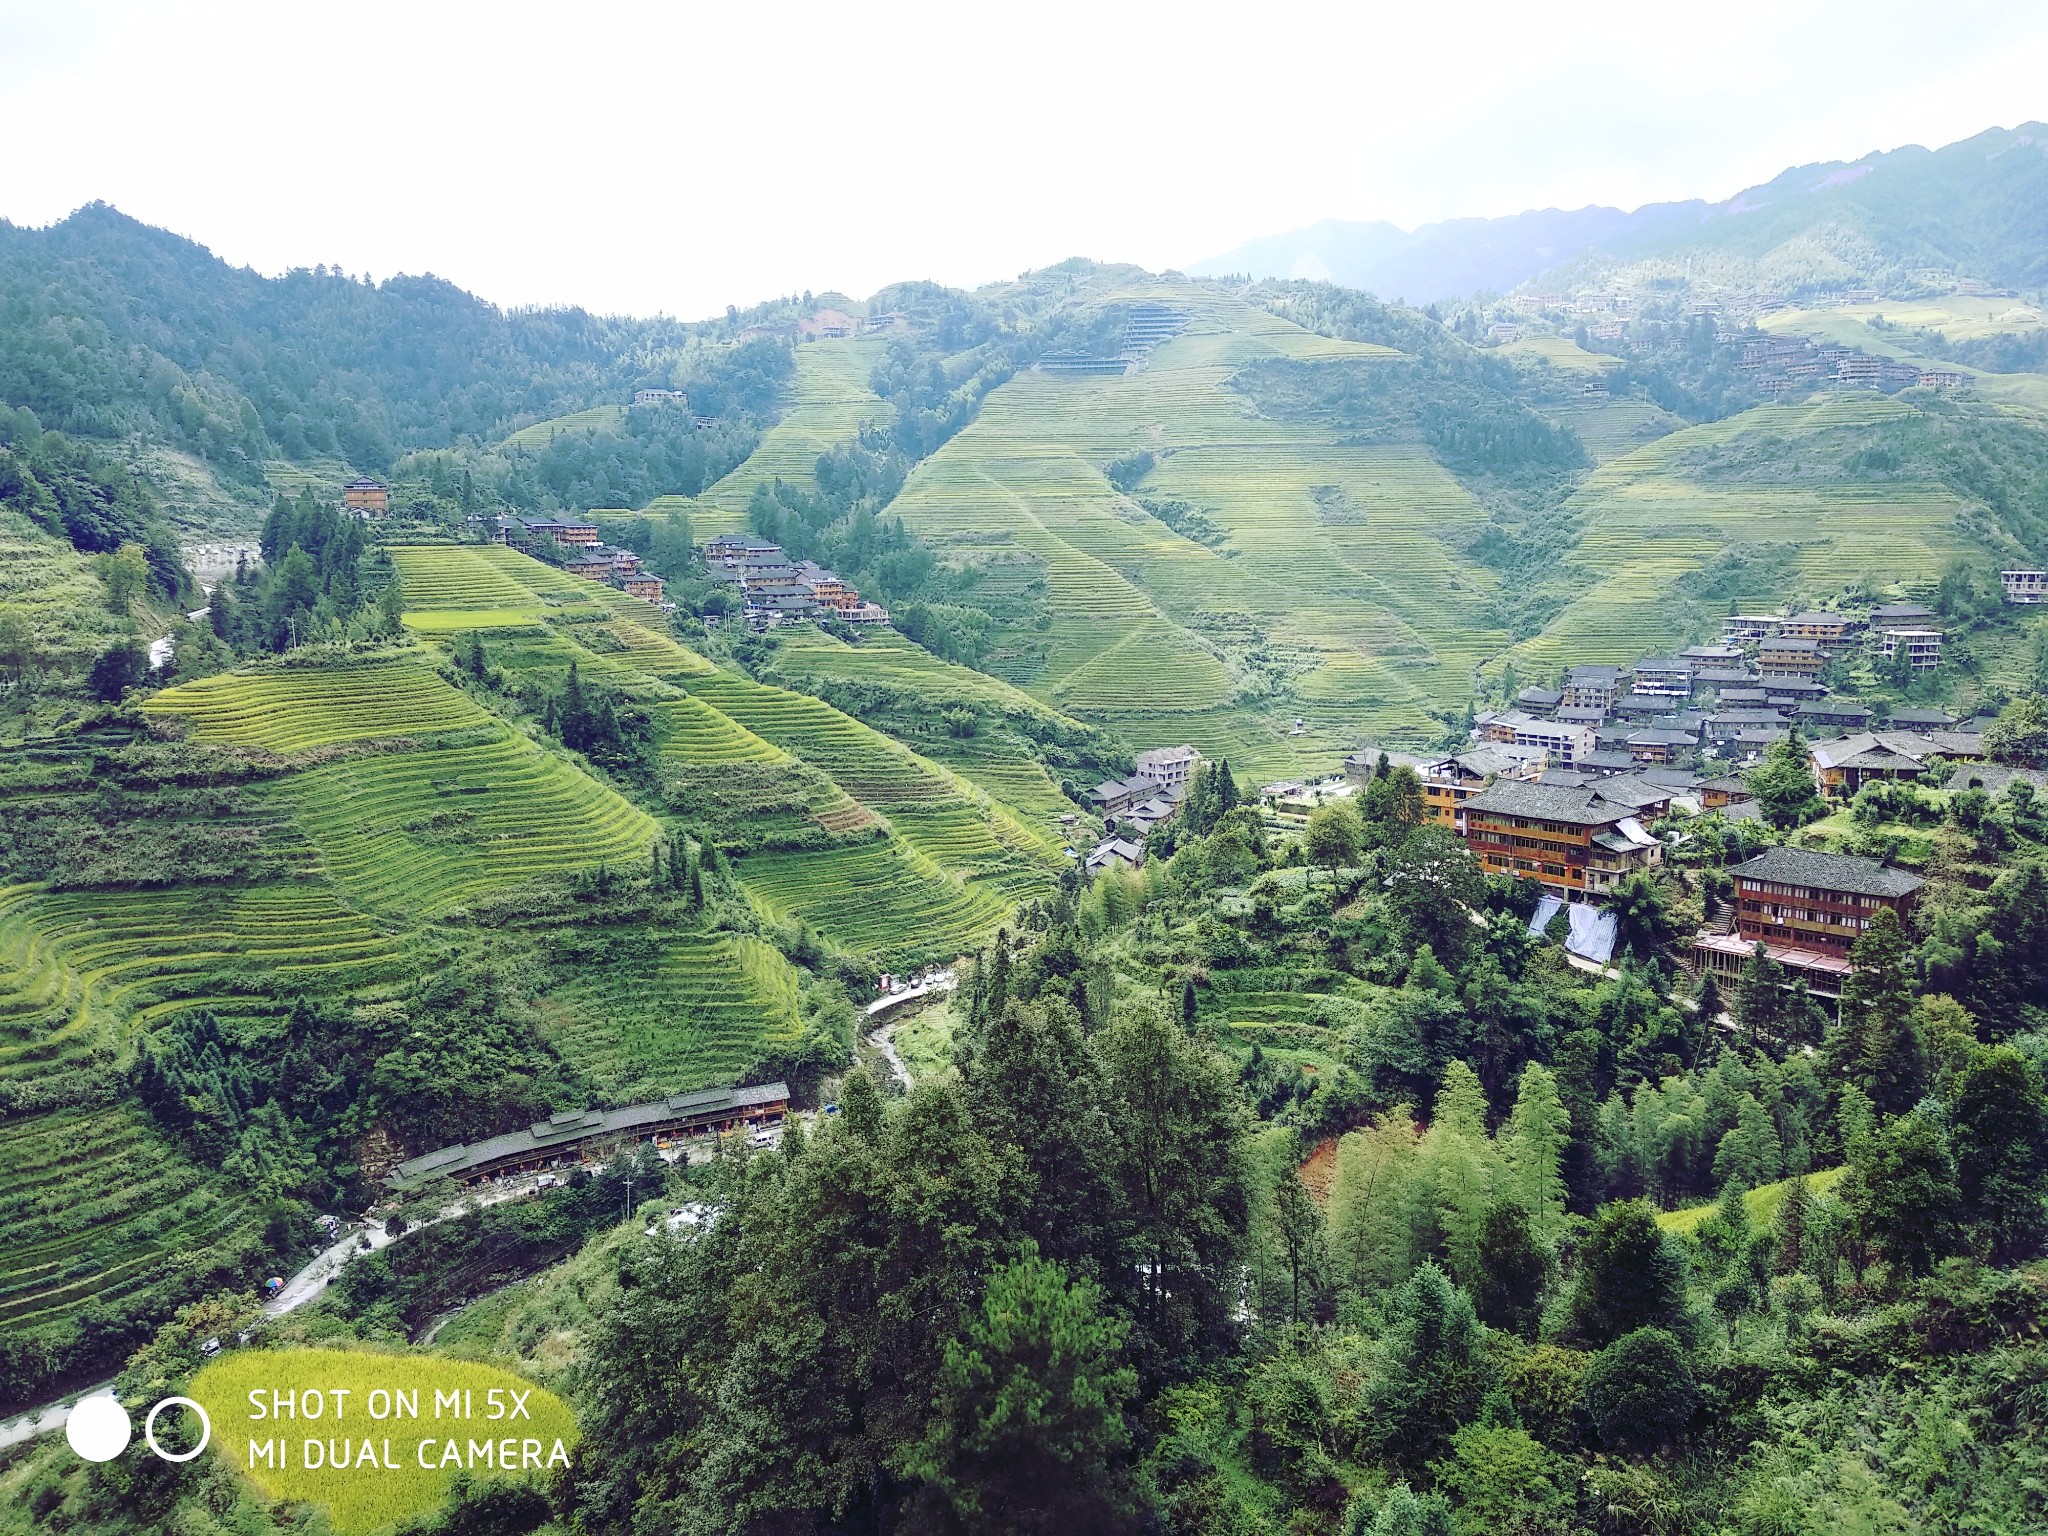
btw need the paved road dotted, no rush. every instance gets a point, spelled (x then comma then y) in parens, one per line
(49, 1418)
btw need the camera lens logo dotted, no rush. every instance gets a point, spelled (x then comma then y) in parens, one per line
(99, 1428)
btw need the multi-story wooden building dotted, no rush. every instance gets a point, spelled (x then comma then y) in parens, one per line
(1793, 656)
(1571, 839)
(366, 497)
(1593, 687)
(1449, 782)
(2024, 586)
(1807, 909)
(1823, 627)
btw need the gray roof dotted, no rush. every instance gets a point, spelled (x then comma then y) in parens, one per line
(1995, 778)
(1938, 718)
(1575, 807)
(1593, 672)
(1789, 643)
(1539, 698)
(1816, 617)
(1829, 872)
(1901, 611)
(571, 1127)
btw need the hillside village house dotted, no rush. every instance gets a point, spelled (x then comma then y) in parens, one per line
(366, 497)
(1922, 646)
(1592, 687)
(1665, 677)
(1797, 656)
(1563, 741)
(1173, 766)
(1750, 627)
(1449, 782)
(645, 586)
(579, 1136)
(1829, 629)
(1832, 715)
(2024, 586)
(1840, 768)
(1573, 840)
(1807, 909)
(646, 397)
(1906, 614)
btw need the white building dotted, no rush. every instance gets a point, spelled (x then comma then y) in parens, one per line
(2025, 586)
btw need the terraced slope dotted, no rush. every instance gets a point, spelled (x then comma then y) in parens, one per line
(675, 1011)
(879, 898)
(829, 399)
(98, 1207)
(293, 709)
(421, 833)
(1336, 565)
(53, 587)
(1650, 517)
(81, 971)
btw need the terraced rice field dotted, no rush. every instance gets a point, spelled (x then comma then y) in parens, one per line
(690, 731)
(422, 833)
(697, 1011)
(53, 586)
(1346, 557)
(81, 970)
(441, 578)
(599, 418)
(829, 399)
(1648, 519)
(293, 709)
(879, 899)
(97, 1206)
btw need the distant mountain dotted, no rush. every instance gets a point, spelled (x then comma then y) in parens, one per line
(1976, 209)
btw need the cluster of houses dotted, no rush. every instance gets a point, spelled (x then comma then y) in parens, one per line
(573, 544)
(778, 590)
(1564, 787)
(1130, 808)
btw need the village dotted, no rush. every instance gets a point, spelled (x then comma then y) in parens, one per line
(1565, 787)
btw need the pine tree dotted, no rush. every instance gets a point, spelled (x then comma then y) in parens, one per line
(1537, 1131)
(1188, 1008)
(1875, 1044)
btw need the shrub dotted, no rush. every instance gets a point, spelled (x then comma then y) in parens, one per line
(1640, 1391)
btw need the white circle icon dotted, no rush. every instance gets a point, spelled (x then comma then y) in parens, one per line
(149, 1428)
(99, 1428)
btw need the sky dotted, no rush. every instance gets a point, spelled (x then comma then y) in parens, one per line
(677, 158)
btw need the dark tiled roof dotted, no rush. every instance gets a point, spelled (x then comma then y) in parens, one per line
(1828, 872)
(1545, 802)
(571, 1127)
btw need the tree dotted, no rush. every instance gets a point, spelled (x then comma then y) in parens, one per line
(17, 646)
(1642, 917)
(1403, 1513)
(1503, 1482)
(1876, 1044)
(1027, 1432)
(126, 574)
(1759, 1002)
(1783, 784)
(1433, 1374)
(1631, 1275)
(1999, 1135)
(1393, 805)
(1299, 1226)
(1508, 1290)
(1538, 1129)
(1906, 1192)
(2020, 733)
(119, 667)
(1335, 838)
(1640, 1391)
(1433, 882)
(1190, 1008)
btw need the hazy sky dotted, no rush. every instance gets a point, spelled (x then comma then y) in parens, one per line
(681, 157)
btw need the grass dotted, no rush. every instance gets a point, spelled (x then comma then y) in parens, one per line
(1761, 1203)
(294, 709)
(55, 588)
(878, 898)
(81, 971)
(362, 1499)
(442, 577)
